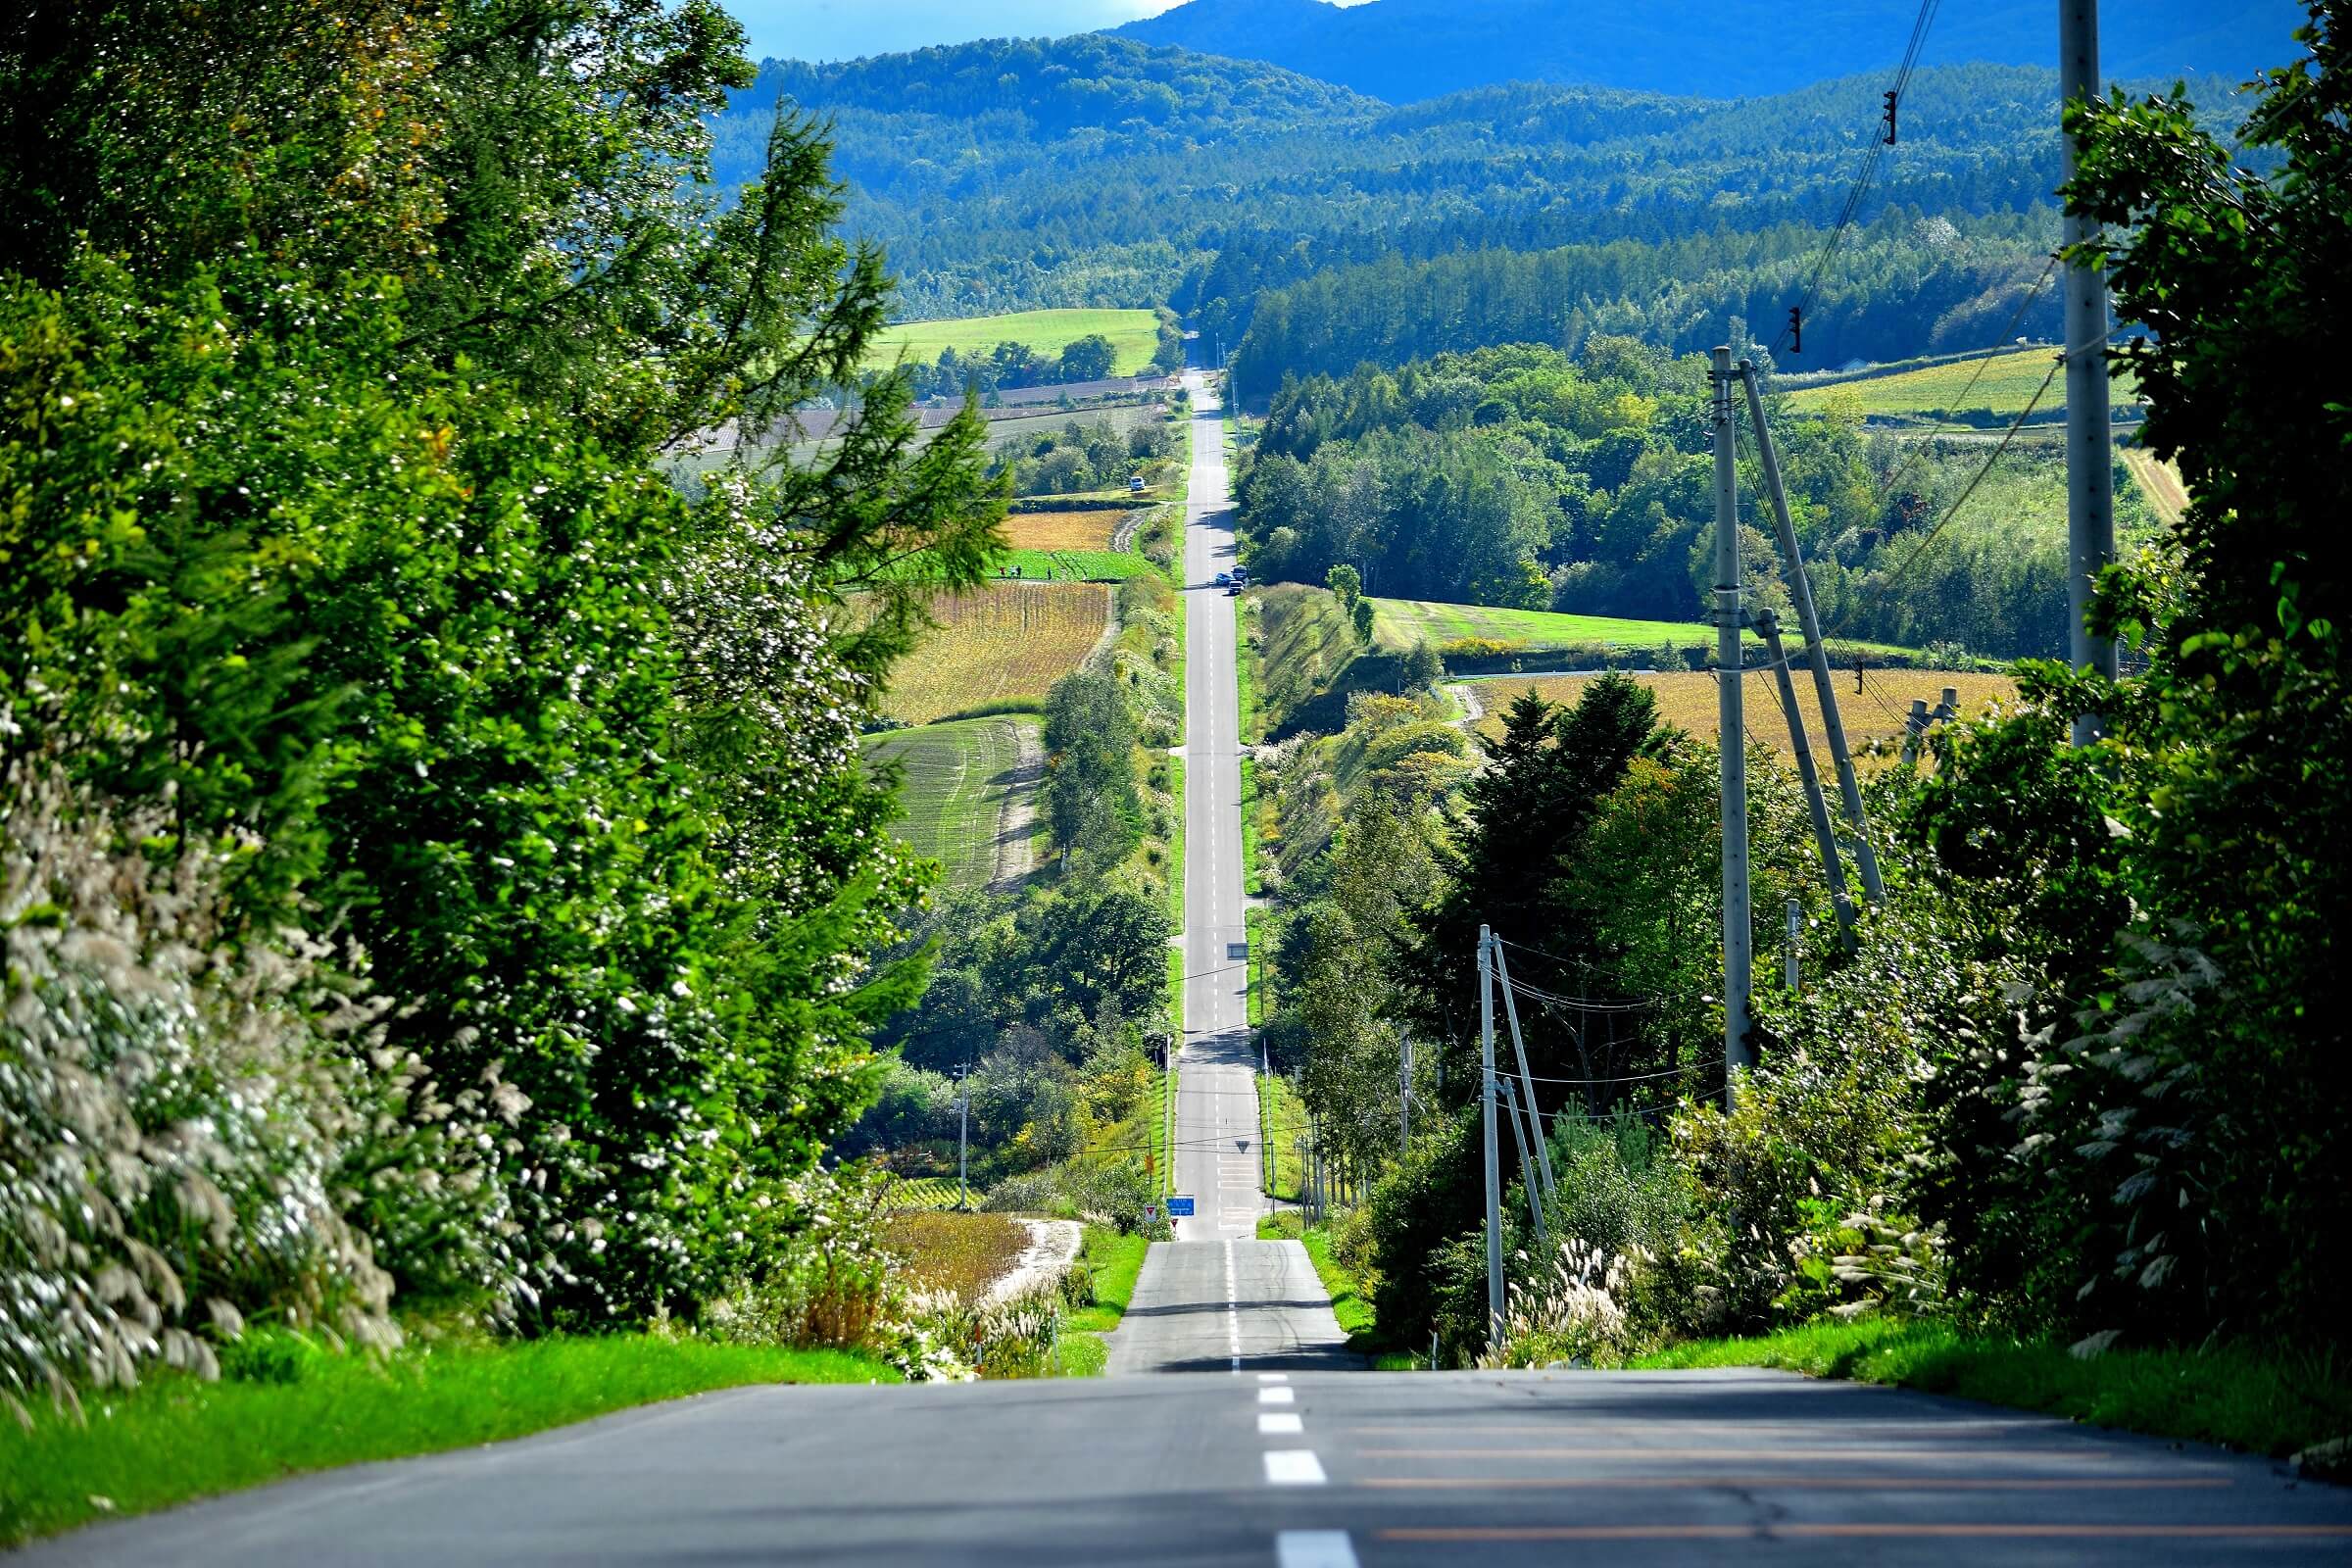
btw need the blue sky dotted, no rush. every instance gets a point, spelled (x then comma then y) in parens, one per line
(840, 29)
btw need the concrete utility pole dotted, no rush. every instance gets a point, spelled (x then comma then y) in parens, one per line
(1731, 733)
(1825, 836)
(1527, 1080)
(2089, 454)
(1817, 653)
(1486, 1064)
(964, 1130)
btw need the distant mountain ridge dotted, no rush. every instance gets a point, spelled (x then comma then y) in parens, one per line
(1404, 51)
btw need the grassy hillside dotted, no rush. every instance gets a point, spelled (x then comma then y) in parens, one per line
(959, 780)
(999, 648)
(1399, 623)
(1687, 700)
(2004, 385)
(1132, 334)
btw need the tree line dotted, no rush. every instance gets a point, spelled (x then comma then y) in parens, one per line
(435, 865)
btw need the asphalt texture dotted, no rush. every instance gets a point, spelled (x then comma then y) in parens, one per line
(1216, 1151)
(1300, 1469)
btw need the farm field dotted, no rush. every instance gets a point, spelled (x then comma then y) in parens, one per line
(1399, 623)
(1001, 646)
(960, 780)
(1687, 701)
(1064, 530)
(2008, 383)
(2159, 481)
(1133, 335)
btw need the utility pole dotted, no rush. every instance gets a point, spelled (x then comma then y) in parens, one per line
(1527, 1081)
(1823, 835)
(1731, 731)
(2089, 456)
(1486, 1063)
(964, 1130)
(1817, 653)
(1527, 1173)
(1404, 1097)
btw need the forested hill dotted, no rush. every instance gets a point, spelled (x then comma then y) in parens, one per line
(1097, 172)
(1406, 50)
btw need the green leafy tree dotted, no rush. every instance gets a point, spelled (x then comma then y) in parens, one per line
(1088, 359)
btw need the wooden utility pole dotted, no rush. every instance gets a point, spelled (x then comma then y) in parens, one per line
(2089, 452)
(1731, 732)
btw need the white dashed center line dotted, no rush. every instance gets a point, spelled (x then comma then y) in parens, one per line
(1292, 1467)
(1279, 1423)
(1313, 1548)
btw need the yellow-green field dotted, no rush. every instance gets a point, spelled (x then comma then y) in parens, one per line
(2008, 383)
(1063, 530)
(2159, 481)
(1687, 700)
(999, 646)
(1399, 623)
(965, 793)
(1133, 335)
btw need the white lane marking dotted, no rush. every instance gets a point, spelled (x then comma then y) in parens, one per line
(1273, 1377)
(1292, 1467)
(1313, 1548)
(1276, 1394)
(1279, 1423)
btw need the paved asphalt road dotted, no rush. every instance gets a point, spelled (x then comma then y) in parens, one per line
(1315, 1470)
(1216, 1151)
(1269, 1452)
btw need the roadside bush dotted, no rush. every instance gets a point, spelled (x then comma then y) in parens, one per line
(1109, 1191)
(196, 1132)
(1570, 1315)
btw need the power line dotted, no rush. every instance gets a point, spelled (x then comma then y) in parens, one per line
(1870, 166)
(1879, 587)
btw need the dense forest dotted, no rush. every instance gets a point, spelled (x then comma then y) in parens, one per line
(1906, 284)
(1524, 477)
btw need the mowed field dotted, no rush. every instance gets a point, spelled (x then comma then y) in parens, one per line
(1133, 335)
(1687, 700)
(2006, 386)
(1399, 623)
(1002, 644)
(964, 786)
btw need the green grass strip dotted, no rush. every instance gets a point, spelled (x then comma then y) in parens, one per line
(178, 1438)
(1075, 566)
(2262, 1399)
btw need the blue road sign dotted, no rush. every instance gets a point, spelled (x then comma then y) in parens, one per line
(1180, 1209)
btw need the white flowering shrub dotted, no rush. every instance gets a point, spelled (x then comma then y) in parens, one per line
(191, 1121)
(1573, 1315)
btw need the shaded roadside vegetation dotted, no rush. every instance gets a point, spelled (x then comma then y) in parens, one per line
(2069, 1096)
